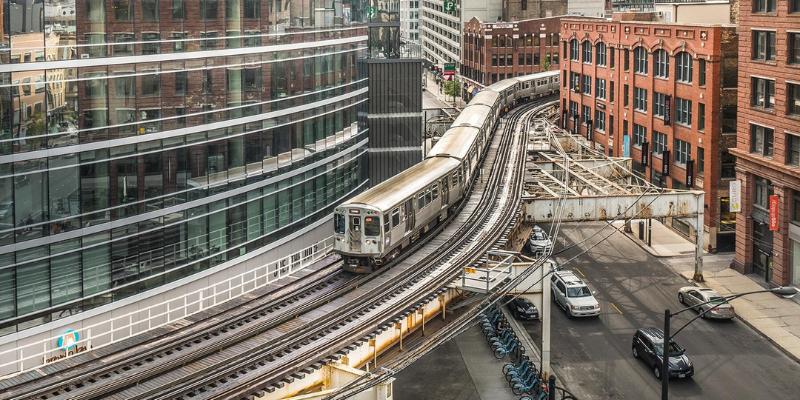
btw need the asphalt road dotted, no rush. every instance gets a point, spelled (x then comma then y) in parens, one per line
(593, 356)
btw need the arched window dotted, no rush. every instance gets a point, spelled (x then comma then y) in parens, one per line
(640, 60)
(587, 51)
(683, 67)
(573, 50)
(661, 63)
(600, 53)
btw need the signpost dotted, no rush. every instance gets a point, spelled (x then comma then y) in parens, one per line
(735, 191)
(774, 205)
(449, 68)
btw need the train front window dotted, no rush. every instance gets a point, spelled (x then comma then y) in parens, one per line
(372, 226)
(355, 224)
(338, 223)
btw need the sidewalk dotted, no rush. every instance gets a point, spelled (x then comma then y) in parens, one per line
(433, 89)
(775, 318)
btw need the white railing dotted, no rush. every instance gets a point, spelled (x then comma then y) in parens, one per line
(137, 322)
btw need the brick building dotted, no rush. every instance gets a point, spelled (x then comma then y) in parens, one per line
(493, 51)
(518, 10)
(768, 151)
(662, 94)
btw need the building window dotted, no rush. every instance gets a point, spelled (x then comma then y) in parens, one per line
(587, 52)
(611, 53)
(761, 140)
(587, 114)
(793, 99)
(151, 85)
(659, 143)
(601, 53)
(763, 6)
(178, 10)
(625, 95)
(683, 65)
(181, 82)
(701, 64)
(252, 9)
(152, 43)
(573, 108)
(208, 9)
(574, 81)
(573, 50)
(640, 60)
(611, 92)
(796, 203)
(683, 111)
(587, 85)
(794, 46)
(661, 63)
(639, 135)
(793, 150)
(794, 6)
(701, 161)
(123, 10)
(600, 120)
(600, 88)
(683, 151)
(763, 45)
(626, 62)
(640, 99)
(150, 10)
(763, 93)
(659, 104)
(701, 116)
(761, 192)
(123, 44)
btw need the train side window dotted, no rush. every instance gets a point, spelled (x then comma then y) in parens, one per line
(387, 223)
(338, 223)
(435, 192)
(420, 201)
(355, 224)
(428, 197)
(396, 217)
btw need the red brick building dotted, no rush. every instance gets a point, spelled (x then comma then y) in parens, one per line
(768, 151)
(662, 94)
(493, 51)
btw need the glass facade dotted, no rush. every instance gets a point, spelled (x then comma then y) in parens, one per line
(143, 141)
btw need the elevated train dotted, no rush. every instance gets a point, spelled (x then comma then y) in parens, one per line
(375, 226)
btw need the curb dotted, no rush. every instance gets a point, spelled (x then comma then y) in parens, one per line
(775, 344)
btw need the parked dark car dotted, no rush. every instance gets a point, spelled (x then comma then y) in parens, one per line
(522, 308)
(647, 346)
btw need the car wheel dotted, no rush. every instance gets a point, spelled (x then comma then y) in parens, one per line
(657, 372)
(681, 299)
(635, 352)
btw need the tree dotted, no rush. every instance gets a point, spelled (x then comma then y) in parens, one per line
(546, 64)
(452, 88)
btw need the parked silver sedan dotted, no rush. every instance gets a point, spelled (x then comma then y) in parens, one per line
(693, 296)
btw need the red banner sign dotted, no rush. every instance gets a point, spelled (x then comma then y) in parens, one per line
(774, 204)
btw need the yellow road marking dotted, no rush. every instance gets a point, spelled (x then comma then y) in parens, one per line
(616, 308)
(580, 273)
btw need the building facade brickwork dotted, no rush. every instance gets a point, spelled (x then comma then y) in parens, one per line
(493, 51)
(768, 151)
(637, 87)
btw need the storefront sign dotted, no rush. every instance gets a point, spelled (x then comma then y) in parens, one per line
(665, 162)
(626, 146)
(690, 173)
(735, 194)
(774, 204)
(645, 153)
(667, 109)
(68, 343)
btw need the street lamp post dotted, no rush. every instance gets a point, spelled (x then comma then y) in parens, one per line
(783, 291)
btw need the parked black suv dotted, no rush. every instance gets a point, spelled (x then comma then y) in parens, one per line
(647, 346)
(522, 308)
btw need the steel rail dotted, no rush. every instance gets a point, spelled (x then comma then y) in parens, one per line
(214, 390)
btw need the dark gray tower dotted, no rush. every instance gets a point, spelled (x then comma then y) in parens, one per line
(395, 95)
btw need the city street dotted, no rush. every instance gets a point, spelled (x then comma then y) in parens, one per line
(592, 357)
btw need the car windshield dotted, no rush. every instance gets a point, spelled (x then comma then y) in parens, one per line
(537, 235)
(674, 349)
(716, 300)
(581, 291)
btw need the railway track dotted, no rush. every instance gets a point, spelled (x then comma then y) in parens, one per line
(235, 354)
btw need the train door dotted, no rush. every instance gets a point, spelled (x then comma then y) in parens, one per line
(445, 192)
(355, 233)
(408, 209)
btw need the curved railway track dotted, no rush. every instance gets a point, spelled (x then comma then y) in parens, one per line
(237, 353)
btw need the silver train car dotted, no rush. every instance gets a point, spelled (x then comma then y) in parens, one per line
(373, 227)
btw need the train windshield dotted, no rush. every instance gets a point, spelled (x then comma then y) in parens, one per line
(338, 223)
(372, 226)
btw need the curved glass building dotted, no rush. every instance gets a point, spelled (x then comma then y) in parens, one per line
(144, 142)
